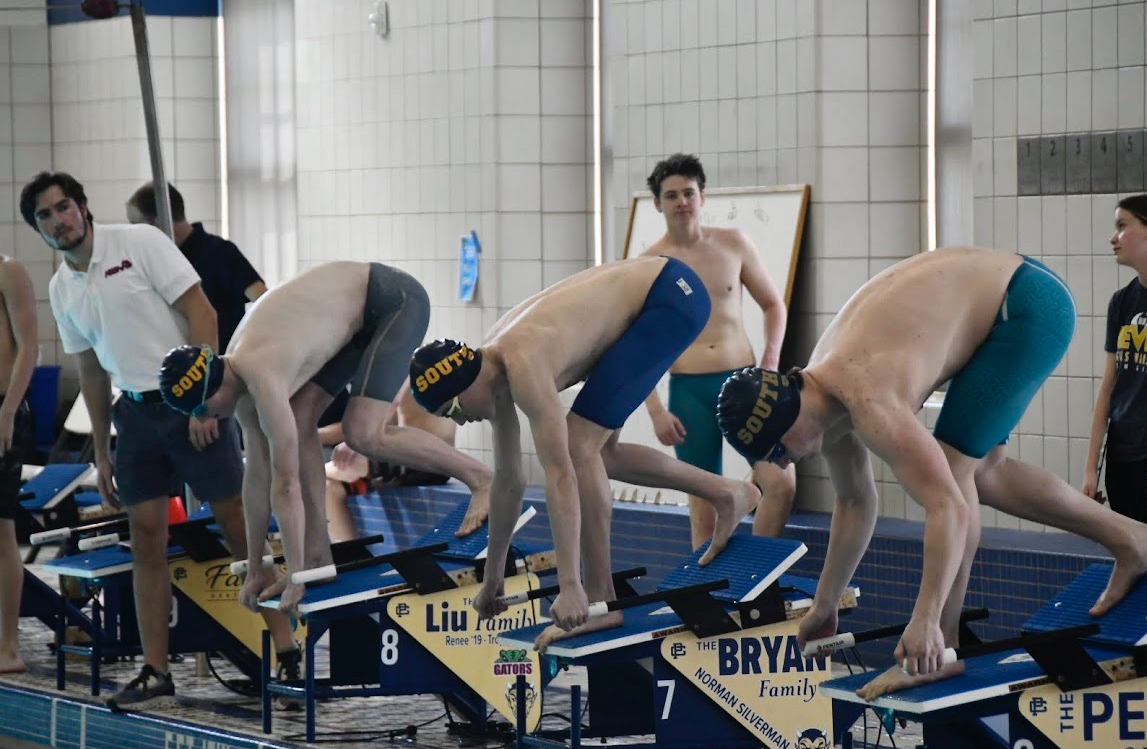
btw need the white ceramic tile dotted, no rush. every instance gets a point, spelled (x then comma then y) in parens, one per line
(563, 41)
(982, 222)
(566, 237)
(786, 66)
(709, 73)
(1004, 108)
(193, 37)
(517, 42)
(893, 118)
(519, 187)
(766, 20)
(31, 123)
(983, 173)
(707, 23)
(1078, 29)
(1054, 103)
(651, 25)
(517, 90)
(1004, 220)
(843, 63)
(1080, 237)
(893, 16)
(1028, 44)
(1029, 219)
(844, 119)
(1004, 46)
(836, 281)
(1079, 101)
(1104, 99)
(894, 63)
(521, 236)
(843, 18)
(29, 46)
(842, 229)
(786, 121)
(1130, 34)
(565, 188)
(895, 230)
(1054, 42)
(1130, 102)
(895, 174)
(983, 45)
(565, 139)
(1104, 38)
(745, 21)
(766, 68)
(1029, 94)
(726, 72)
(844, 175)
(746, 72)
(519, 139)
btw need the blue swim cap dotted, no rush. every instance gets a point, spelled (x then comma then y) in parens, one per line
(189, 376)
(755, 409)
(441, 370)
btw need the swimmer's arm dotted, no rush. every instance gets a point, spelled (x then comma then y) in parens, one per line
(277, 423)
(202, 325)
(96, 387)
(918, 461)
(508, 487)
(538, 398)
(256, 483)
(853, 518)
(757, 281)
(1100, 416)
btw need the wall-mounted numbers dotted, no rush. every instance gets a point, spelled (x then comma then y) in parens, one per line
(1103, 162)
(1053, 165)
(1078, 164)
(1129, 154)
(1027, 166)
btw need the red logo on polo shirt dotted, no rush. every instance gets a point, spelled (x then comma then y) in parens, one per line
(117, 268)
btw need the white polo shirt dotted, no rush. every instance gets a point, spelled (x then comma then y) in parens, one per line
(121, 306)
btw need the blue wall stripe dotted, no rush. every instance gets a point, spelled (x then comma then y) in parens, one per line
(62, 11)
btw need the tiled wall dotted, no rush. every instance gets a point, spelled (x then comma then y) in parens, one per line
(93, 127)
(1047, 68)
(468, 115)
(25, 144)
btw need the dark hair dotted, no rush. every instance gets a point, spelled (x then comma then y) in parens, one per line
(684, 165)
(1136, 205)
(143, 200)
(41, 182)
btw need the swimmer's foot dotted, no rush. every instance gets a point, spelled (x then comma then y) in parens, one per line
(731, 509)
(895, 679)
(477, 511)
(1129, 567)
(595, 624)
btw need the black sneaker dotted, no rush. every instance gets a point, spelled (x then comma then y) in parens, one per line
(290, 670)
(149, 689)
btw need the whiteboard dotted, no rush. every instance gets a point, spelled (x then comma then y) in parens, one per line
(774, 219)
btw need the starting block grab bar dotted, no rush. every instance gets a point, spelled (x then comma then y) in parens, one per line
(844, 640)
(63, 534)
(599, 608)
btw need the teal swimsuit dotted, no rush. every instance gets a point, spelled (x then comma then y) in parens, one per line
(987, 398)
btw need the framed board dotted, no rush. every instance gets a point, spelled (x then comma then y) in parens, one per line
(774, 218)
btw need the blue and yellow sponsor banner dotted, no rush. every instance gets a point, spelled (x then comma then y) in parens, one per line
(213, 587)
(759, 677)
(1113, 715)
(446, 624)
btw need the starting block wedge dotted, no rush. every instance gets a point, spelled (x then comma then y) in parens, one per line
(747, 685)
(52, 503)
(1069, 679)
(403, 623)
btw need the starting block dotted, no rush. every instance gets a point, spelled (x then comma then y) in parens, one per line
(403, 623)
(726, 670)
(52, 502)
(205, 617)
(1070, 680)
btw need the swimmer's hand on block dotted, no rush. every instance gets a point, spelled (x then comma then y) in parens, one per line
(524, 518)
(829, 645)
(99, 542)
(1050, 637)
(240, 567)
(598, 608)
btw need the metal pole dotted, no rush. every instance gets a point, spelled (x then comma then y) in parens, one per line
(154, 145)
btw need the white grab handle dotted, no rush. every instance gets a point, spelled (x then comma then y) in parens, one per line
(47, 537)
(827, 645)
(99, 542)
(303, 577)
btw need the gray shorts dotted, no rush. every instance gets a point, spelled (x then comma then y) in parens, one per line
(376, 361)
(154, 457)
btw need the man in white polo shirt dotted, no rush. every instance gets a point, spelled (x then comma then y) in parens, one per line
(122, 298)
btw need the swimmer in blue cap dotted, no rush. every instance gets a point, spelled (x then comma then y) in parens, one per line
(616, 328)
(993, 326)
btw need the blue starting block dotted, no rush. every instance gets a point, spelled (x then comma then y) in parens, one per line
(51, 502)
(205, 616)
(403, 623)
(1055, 688)
(722, 680)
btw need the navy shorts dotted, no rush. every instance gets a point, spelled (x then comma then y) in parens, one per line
(676, 311)
(12, 462)
(154, 456)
